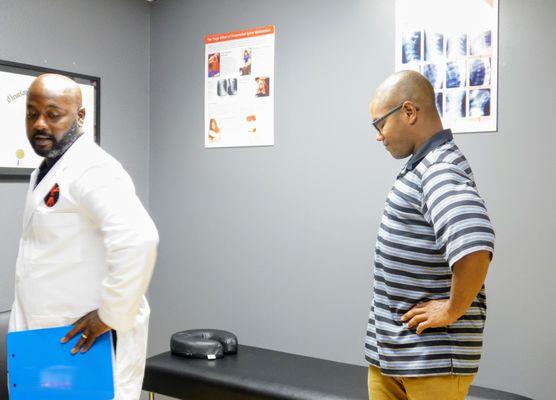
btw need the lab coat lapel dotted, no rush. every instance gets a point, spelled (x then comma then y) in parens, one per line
(29, 199)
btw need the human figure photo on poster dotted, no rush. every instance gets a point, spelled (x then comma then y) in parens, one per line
(263, 86)
(245, 69)
(214, 133)
(213, 65)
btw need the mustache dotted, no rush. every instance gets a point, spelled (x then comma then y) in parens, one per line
(43, 135)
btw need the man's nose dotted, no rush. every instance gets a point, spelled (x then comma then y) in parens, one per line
(379, 137)
(40, 124)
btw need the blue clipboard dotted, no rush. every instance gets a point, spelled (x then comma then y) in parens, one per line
(42, 368)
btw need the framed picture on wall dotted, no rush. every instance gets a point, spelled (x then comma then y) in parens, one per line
(454, 44)
(17, 157)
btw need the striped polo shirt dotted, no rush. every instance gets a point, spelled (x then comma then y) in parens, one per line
(433, 217)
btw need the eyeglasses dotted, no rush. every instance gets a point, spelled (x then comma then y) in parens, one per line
(392, 111)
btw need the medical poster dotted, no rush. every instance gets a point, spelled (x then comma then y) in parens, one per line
(239, 88)
(454, 43)
(16, 151)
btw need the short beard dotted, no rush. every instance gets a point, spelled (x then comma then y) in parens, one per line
(65, 142)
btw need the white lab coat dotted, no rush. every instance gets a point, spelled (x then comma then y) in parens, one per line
(94, 249)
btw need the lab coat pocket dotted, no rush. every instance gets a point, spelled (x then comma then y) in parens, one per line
(55, 238)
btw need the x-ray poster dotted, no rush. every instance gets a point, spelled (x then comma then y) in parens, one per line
(239, 88)
(454, 43)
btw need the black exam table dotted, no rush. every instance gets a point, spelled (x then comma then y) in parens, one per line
(256, 373)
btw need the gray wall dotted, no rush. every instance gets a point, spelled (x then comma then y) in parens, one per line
(103, 38)
(275, 243)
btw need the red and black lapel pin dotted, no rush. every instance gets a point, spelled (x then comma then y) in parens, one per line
(52, 197)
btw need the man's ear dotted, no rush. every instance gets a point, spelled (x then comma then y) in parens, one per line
(81, 116)
(410, 112)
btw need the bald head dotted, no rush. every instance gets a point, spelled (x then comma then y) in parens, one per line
(56, 86)
(404, 110)
(405, 85)
(54, 114)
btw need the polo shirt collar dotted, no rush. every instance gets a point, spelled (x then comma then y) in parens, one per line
(437, 140)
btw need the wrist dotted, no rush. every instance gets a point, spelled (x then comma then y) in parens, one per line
(454, 311)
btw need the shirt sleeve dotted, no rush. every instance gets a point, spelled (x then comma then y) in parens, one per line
(107, 195)
(456, 211)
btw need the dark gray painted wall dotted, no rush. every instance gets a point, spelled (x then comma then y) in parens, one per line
(275, 243)
(103, 38)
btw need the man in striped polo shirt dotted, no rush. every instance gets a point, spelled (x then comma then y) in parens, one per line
(435, 242)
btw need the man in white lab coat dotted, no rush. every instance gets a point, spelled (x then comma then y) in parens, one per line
(88, 247)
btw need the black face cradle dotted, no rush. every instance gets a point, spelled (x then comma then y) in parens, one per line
(203, 343)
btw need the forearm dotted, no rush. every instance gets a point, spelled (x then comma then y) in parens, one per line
(468, 277)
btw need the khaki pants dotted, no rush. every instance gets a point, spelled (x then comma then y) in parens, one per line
(444, 387)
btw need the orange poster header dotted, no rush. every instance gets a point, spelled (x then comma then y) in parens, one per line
(244, 34)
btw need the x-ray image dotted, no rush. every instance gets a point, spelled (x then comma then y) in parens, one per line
(434, 74)
(227, 87)
(222, 88)
(455, 74)
(479, 103)
(438, 100)
(411, 47)
(455, 103)
(434, 46)
(481, 44)
(232, 86)
(456, 46)
(479, 72)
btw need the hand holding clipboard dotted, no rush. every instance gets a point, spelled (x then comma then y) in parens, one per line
(41, 367)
